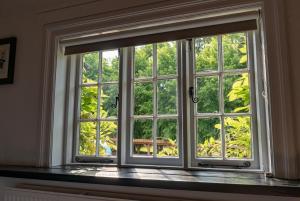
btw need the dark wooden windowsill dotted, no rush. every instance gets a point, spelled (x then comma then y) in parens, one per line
(210, 181)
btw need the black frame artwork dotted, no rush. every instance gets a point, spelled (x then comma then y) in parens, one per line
(7, 59)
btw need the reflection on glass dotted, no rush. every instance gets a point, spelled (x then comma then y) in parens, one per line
(142, 137)
(143, 61)
(208, 94)
(90, 68)
(166, 58)
(235, 51)
(143, 98)
(166, 139)
(236, 93)
(209, 143)
(238, 137)
(109, 92)
(206, 54)
(87, 138)
(110, 65)
(108, 138)
(88, 102)
(167, 96)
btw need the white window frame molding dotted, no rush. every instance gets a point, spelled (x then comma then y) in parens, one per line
(256, 98)
(145, 160)
(283, 139)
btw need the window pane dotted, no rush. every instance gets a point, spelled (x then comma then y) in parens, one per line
(143, 61)
(209, 142)
(108, 107)
(108, 138)
(142, 137)
(236, 93)
(206, 54)
(87, 138)
(166, 55)
(90, 68)
(110, 65)
(238, 137)
(88, 102)
(235, 51)
(167, 138)
(143, 98)
(208, 94)
(167, 96)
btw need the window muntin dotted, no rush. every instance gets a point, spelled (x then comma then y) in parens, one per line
(222, 120)
(154, 113)
(98, 119)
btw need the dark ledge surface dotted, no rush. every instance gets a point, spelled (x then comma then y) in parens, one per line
(212, 181)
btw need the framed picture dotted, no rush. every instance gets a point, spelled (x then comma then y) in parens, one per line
(7, 59)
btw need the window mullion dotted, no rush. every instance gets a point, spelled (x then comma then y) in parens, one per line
(120, 104)
(221, 91)
(154, 132)
(98, 104)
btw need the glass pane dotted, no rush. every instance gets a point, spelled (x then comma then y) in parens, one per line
(87, 138)
(90, 68)
(108, 107)
(108, 138)
(142, 137)
(235, 51)
(208, 94)
(143, 98)
(143, 61)
(209, 143)
(167, 138)
(167, 96)
(88, 102)
(206, 54)
(238, 137)
(110, 65)
(166, 58)
(236, 93)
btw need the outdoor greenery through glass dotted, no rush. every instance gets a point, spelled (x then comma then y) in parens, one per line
(98, 112)
(223, 113)
(223, 89)
(155, 97)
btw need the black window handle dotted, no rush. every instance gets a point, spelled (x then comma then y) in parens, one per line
(115, 105)
(191, 92)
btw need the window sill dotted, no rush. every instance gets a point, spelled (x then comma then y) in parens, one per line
(210, 181)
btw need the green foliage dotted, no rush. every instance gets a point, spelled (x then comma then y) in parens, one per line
(236, 99)
(88, 110)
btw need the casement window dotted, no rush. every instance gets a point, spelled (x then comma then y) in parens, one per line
(190, 98)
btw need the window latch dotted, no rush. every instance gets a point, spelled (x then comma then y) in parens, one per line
(115, 105)
(193, 98)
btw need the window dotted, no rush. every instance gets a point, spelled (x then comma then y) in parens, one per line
(154, 104)
(97, 124)
(222, 116)
(171, 99)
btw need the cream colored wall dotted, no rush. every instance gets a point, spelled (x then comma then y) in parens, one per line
(293, 34)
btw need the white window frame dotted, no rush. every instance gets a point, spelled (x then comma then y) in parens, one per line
(253, 71)
(274, 44)
(142, 160)
(129, 80)
(77, 157)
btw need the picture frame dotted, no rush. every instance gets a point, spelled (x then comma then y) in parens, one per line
(7, 59)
